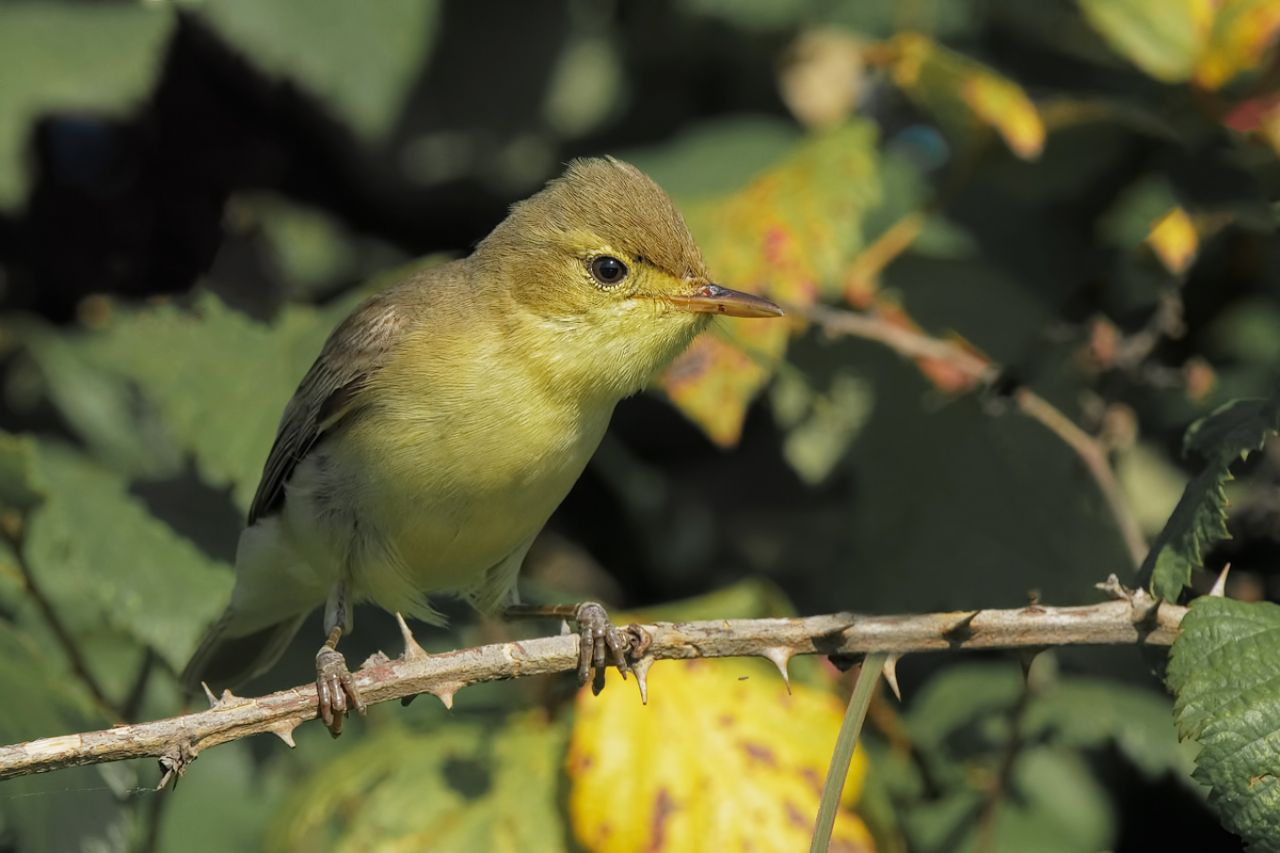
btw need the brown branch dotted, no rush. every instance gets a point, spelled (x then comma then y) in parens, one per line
(913, 344)
(1133, 618)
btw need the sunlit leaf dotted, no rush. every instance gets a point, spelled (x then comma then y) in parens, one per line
(962, 93)
(457, 786)
(1174, 240)
(61, 57)
(1241, 40)
(1162, 37)
(787, 234)
(1223, 670)
(721, 758)
(360, 60)
(1002, 104)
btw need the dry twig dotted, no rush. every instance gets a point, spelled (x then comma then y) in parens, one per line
(912, 344)
(1131, 618)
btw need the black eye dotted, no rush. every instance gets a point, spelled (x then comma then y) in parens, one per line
(608, 270)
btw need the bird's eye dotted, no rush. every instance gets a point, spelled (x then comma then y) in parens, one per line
(608, 270)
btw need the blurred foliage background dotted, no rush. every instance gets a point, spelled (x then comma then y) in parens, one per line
(193, 192)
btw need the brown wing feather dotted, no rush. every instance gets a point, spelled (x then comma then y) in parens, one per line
(328, 393)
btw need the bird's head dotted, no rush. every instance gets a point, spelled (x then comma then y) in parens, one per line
(603, 283)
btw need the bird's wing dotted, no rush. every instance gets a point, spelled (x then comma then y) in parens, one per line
(329, 392)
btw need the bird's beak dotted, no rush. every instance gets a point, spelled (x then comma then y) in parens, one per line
(714, 299)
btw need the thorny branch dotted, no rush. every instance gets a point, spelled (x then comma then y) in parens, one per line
(1132, 617)
(983, 372)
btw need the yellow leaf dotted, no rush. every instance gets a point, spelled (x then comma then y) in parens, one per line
(962, 93)
(1174, 240)
(1003, 105)
(714, 380)
(722, 758)
(788, 233)
(451, 785)
(1242, 36)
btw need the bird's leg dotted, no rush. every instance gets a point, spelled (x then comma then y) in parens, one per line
(600, 644)
(335, 688)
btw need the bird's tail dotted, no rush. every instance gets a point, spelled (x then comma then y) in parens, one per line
(226, 659)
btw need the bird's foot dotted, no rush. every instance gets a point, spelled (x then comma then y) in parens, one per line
(601, 644)
(336, 690)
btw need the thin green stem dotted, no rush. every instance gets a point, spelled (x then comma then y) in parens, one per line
(863, 689)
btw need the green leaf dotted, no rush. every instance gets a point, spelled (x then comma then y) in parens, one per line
(360, 59)
(223, 380)
(73, 809)
(225, 803)
(1233, 430)
(820, 426)
(1085, 713)
(1158, 36)
(715, 156)
(60, 57)
(457, 786)
(1054, 805)
(964, 696)
(99, 406)
(1200, 519)
(19, 488)
(1223, 669)
(105, 560)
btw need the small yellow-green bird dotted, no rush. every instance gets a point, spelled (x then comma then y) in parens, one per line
(449, 415)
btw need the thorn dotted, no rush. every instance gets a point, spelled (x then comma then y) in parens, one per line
(890, 671)
(284, 731)
(1114, 589)
(641, 669)
(1219, 589)
(780, 656)
(1026, 658)
(962, 630)
(445, 693)
(412, 651)
(1143, 607)
(225, 700)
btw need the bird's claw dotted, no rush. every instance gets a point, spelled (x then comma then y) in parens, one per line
(336, 690)
(601, 644)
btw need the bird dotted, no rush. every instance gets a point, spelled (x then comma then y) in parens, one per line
(447, 417)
